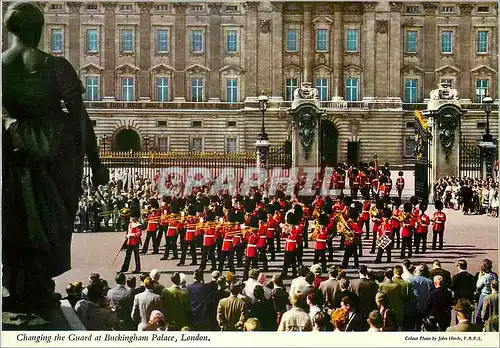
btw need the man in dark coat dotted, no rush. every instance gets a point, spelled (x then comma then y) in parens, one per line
(463, 283)
(366, 290)
(439, 303)
(437, 270)
(198, 295)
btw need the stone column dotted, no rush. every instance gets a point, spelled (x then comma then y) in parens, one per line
(395, 50)
(430, 47)
(180, 53)
(369, 49)
(307, 52)
(382, 52)
(251, 49)
(465, 51)
(109, 50)
(145, 51)
(74, 34)
(338, 52)
(214, 52)
(277, 51)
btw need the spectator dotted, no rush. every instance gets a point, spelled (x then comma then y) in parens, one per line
(330, 287)
(120, 301)
(92, 313)
(300, 284)
(176, 304)
(142, 288)
(408, 269)
(131, 283)
(312, 302)
(393, 292)
(437, 270)
(198, 296)
(157, 287)
(231, 312)
(439, 303)
(320, 321)
(430, 324)
(344, 286)
(183, 281)
(408, 299)
(156, 322)
(144, 304)
(296, 319)
(355, 322)
(375, 321)
(464, 310)
(316, 270)
(252, 324)
(421, 288)
(483, 286)
(251, 283)
(491, 325)
(279, 297)
(463, 283)
(365, 289)
(389, 321)
(490, 302)
(263, 310)
(340, 318)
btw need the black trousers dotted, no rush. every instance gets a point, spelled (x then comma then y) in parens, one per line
(263, 258)
(218, 247)
(342, 245)
(128, 255)
(435, 235)
(249, 261)
(350, 250)
(271, 248)
(406, 244)
(289, 260)
(354, 192)
(374, 242)
(380, 252)
(400, 193)
(396, 235)
(298, 254)
(192, 250)
(278, 242)
(208, 252)
(366, 224)
(150, 236)
(239, 251)
(320, 256)
(171, 244)
(226, 255)
(420, 238)
(329, 244)
(360, 247)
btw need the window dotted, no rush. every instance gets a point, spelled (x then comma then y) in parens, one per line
(161, 40)
(410, 125)
(446, 42)
(481, 125)
(196, 124)
(162, 8)
(447, 81)
(56, 6)
(92, 88)
(482, 42)
(411, 90)
(163, 144)
(231, 123)
(162, 89)
(409, 147)
(483, 9)
(196, 144)
(127, 40)
(231, 8)
(321, 85)
(232, 41)
(161, 123)
(291, 40)
(412, 9)
(128, 89)
(127, 7)
(351, 89)
(197, 8)
(197, 89)
(481, 90)
(232, 90)
(352, 40)
(197, 41)
(290, 86)
(56, 40)
(411, 41)
(92, 40)
(321, 40)
(447, 9)
(91, 7)
(230, 145)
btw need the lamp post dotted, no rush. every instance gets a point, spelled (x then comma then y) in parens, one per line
(146, 138)
(104, 139)
(486, 143)
(262, 144)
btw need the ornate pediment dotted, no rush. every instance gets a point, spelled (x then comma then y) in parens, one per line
(412, 70)
(352, 70)
(231, 70)
(322, 20)
(292, 67)
(162, 69)
(91, 69)
(127, 69)
(323, 68)
(448, 70)
(197, 69)
(483, 70)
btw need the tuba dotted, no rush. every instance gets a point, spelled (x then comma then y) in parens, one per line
(316, 229)
(344, 230)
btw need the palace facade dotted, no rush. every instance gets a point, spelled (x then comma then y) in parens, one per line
(173, 76)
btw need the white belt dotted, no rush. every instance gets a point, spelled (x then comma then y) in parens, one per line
(209, 236)
(263, 237)
(321, 240)
(270, 229)
(365, 211)
(172, 228)
(439, 222)
(406, 225)
(252, 245)
(291, 241)
(191, 231)
(228, 240)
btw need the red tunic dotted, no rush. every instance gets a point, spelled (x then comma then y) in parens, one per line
(400, 183)
(291, 241)
(365, 211)
(384, 190)
(375, 185)
(190, 234)
(385, 228)
(439, 219)
(153, 221)
(174, 228)
(423, 224)
(407, 227)
(320, 243)
(376, 222)
(134, 233)
(227, 243)
(395, 223)
(252, 240)
(358, 232)
(209, 237)
(262, 234)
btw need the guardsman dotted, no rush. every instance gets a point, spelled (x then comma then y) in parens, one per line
(331, 232)
(389, 181)
(297, 208)
(400, 184)
(376, 216)
(271, 231)
(125, 217)
(133, 241)
(318, 202)
(354, 181)
(385, 228)
(208, 247)
(261, 243)
(227, 250)
(375, 186)
(365, 182)
(290, 232)
(422, 229)
(414, 203)
(251, 252)
(153, 219)
(438, 225)
(278, 218)
(189, 242)
(320, 238)
(383, 188)
(364, 217)
(174, 227)
(306, 216)
(346, 203)
(407, 230)
(395, 222)
(352, 244)
(164, 211)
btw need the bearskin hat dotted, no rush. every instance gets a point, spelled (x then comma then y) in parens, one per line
(379, 204)
(254, 221)
(347, 201)
(387, 213)
(323, 219)
(400, 173)
(407, 207)
(354, 171)
(297, 208)
(154, 203)
(135, 212)
(270, 209)
(383, 179)
(414, 200)
(328, 209)
(353, 213)
(262, 216)
(358, 206)
(291, 217)
(371, 164)
(231, 216)
(396, 202)
(423, 206)
(191, 210)
(210, 215)
(439, 205)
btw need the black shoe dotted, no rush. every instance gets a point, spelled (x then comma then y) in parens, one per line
(180, 264)
(155, 252)
(372, 251)
(193, 264)
(377, 261)
(137, 271)
(164, 258)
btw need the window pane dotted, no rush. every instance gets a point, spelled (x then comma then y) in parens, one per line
(56, 40)
(351, 86)
(163, 144)
(482, 42)
(481, 90)
(290, 86)
(352, 40)
(411, 91)
(197, 90)
(128, 89)
(411, 41)
(232, 41)
(410, 147)
(446, 42)
(162, 89)
(197, 41)
(196, 145)
(231, 145)
(127, 40)
(321, 40)
(92, 45)
(161, 40)
(92, 88)
(291, 40)
(232, 90)
(322, 87)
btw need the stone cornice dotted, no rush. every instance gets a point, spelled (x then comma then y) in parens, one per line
(466, 9)
(145, 7)
(251, 6)
(430, 8)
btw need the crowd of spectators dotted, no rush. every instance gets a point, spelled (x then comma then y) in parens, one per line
(407, 297)
(472, 196)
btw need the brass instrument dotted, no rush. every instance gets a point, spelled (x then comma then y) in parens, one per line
(344, 229)
(373, 211)
(316, 229)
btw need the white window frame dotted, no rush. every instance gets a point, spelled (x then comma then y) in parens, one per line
(87, 89)
(407, 41)
(482, 91)
(451, 32)
(87, 41)
(163, 87)
(191, 144)
(229, 32)
(296, 41)
(413, 95)
(486, 44)
(356, 31)
(51, 42)
(226, 145)
(124, 93)
(290, 88)
(198, 88)
(122, 41)
(192, 42)
(348, 87)
(321, 88)
(321, 30)
(230, 89)
(157, 40)
(165, 141)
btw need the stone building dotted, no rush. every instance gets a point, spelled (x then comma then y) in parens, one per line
(186, 76)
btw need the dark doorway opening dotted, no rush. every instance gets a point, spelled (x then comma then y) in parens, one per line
(329, 142)
(126, 140)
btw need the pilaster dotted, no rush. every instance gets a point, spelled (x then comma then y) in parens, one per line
(109, 50)
(145, 50)
(307, 53)
(74, 34)
(277, 51)
(395, 50)
(251, 49)
(215, 52)
(430, 46)
(465, 51)
(369, 49)
(338, 51)
(180, 89)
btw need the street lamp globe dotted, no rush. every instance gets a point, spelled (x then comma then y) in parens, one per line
(487, 102)
(263, 102)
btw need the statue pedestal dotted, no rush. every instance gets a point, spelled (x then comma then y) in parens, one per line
(262, 148)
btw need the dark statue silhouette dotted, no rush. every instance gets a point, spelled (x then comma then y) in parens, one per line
(43, 150)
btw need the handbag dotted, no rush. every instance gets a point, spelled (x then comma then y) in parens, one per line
(36, 140)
